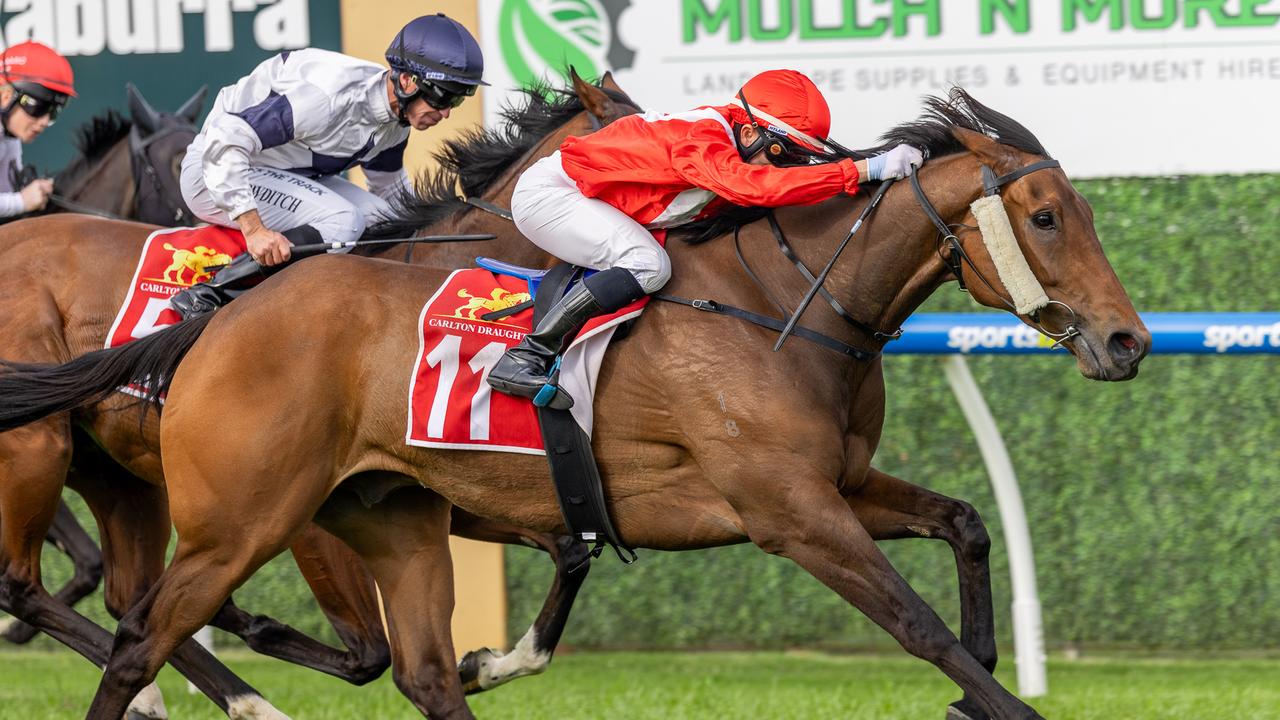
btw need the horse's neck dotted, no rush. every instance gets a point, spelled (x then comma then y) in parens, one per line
(107, 184)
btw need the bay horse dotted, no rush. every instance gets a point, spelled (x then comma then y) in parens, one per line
(704, 435)
(57, 316)
(125, 168)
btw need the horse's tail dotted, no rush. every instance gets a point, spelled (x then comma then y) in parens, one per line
(29, 392)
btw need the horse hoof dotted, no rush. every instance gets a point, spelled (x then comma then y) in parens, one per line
(17, 632)
(471, 665)
(965, 710)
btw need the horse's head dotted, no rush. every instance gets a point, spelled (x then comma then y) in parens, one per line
(1028, 243)
(157, 145)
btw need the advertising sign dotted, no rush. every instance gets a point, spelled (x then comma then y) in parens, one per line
(1111, 87)
(168, 48)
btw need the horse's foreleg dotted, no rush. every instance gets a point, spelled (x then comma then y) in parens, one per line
(86, 560)
(404, 541)
(891, 508)
(487, 668)
(810, 523)
(33, 463)
(345, 591)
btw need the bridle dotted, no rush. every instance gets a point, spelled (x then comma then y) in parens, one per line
(144, 168)
(955, 258)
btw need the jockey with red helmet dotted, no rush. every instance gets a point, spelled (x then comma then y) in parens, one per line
(269, 157)
(594, 202)
(35, 84)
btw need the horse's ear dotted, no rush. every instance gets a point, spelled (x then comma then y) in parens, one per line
(595, 100)
(608, 83)
(141, 112)
(984, 146)
(190, 109)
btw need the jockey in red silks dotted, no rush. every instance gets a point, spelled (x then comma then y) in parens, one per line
(35, 84)
(594, 202)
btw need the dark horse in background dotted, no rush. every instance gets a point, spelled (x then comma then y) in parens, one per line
(126, 169)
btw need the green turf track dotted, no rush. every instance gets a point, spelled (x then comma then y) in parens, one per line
(672, 686)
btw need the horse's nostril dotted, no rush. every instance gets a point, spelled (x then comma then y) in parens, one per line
(1124, 346)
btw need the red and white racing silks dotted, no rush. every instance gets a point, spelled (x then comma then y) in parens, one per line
(663, 170)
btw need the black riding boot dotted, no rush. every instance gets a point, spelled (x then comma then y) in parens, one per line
(235, 278)
(523, 370)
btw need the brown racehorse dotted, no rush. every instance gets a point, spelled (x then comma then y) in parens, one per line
(121, 481)
(704, 435)
(127, 168)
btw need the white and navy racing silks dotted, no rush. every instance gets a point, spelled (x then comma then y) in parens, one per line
(312, 112)
(10, 162)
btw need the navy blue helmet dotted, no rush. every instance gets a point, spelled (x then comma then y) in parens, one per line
(437, 48)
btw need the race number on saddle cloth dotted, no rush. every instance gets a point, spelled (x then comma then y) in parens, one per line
(451, 405)
(172, 261)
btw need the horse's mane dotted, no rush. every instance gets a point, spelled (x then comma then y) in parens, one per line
(93, 140)
(932, 132)
(472, 162)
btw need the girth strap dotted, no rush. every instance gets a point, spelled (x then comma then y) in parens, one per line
(574, 473)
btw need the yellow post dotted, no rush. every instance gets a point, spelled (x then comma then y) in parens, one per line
(480, 612)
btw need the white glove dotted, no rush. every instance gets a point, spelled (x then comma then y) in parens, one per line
(895, 164)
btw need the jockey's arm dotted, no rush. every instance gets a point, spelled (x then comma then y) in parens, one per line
(708, 159)
(386, 175)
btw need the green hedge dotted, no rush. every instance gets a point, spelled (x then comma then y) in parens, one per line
(1154, 504)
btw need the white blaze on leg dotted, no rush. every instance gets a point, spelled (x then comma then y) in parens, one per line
(524, 659)
(148, 704)
(252, 707)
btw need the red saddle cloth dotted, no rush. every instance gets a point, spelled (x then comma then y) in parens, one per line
(172, 260)
(451, 405)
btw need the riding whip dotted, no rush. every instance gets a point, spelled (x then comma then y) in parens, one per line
(822, 276)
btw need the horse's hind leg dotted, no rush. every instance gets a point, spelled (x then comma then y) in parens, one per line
(86, 560)
(890, 508)
(133, 518)
(404, 541)
(345, 591)
(486, 668)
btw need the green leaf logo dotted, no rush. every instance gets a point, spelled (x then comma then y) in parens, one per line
(542, 37)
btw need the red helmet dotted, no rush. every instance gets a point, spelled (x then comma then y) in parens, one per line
(30, 65)
(788, 103)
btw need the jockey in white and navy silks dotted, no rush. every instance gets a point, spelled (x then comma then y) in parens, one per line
(269, 157)
(595, 200)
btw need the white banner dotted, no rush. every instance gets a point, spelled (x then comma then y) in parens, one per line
(1111, 87)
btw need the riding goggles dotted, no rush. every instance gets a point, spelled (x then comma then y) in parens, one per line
(440, 97)
(38, 108)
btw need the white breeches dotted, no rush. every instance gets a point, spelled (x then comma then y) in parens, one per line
(339, 209)
(551, 211)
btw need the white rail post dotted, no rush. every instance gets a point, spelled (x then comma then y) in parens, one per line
(1028, 633)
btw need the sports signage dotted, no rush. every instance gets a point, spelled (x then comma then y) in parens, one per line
(1112, 87)
(1171, 333)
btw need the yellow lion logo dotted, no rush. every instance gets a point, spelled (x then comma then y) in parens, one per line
(194, 260)
(498, 300)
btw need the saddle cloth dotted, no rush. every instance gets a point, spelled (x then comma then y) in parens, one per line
(451, 405)
(172, 260)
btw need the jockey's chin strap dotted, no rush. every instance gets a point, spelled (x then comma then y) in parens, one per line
(1028, 297)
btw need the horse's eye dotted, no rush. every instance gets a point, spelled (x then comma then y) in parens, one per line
(1044, 221)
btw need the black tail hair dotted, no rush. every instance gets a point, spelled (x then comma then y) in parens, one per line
(31, 391)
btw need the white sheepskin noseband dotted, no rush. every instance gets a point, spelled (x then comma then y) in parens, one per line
(997, 234)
